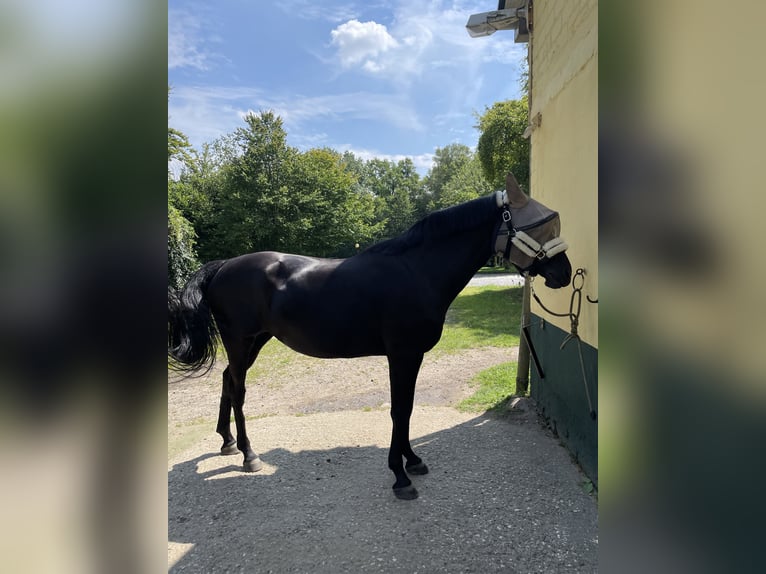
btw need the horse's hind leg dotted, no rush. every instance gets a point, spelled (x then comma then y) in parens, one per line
(403, 372)
(241, 357)
(224, 417)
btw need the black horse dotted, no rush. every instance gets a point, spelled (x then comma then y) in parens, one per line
(391, 299)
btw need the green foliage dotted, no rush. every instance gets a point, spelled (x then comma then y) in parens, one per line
(332, 216)
(467, 184)
(394, 184)
(199, 194)
(502, 147)
(252, 205)
(250, 191)
(182, 260)
(179, 147)
(449, 161)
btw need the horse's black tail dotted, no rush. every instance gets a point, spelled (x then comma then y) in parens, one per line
(192, 333)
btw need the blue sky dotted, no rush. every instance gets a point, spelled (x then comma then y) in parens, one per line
(388, 79)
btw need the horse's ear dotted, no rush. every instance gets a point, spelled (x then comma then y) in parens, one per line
(516, 197)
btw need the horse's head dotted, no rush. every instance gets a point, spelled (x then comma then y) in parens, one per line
(529, 237)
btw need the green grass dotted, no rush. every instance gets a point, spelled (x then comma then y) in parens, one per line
(482, 317)
(275, 357)
(495, 385)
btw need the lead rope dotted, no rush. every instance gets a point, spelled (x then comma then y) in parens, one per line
(575, 306)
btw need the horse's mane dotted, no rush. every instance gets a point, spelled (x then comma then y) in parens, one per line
(439, 225)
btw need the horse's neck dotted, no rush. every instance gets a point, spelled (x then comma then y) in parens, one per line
(450, 264)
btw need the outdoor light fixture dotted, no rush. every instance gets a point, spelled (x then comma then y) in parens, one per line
(510, 15)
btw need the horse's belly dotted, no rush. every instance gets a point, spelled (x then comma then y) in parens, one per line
(332, 345)
(360, 339)
(327, 333)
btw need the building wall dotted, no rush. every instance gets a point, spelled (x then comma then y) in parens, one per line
(564, 165)
(564, 176)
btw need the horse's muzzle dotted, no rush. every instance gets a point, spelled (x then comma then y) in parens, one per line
(557, 271)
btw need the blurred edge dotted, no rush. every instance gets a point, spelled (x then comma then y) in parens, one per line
(683, 366)
(82, 250)
(82, 253)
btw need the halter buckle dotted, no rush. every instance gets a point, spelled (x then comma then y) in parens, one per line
(506, 215)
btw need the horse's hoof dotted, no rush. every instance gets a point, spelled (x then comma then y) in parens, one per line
(252, 465)
(419, 468)
(229, 448)
(406, 493)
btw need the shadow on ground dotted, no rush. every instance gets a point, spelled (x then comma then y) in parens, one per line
(502, 496)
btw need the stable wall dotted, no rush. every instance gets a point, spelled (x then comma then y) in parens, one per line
(564, 160)
(564, 176)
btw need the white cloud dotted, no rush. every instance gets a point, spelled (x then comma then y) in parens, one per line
(366, 106)
(312, 10)
(423, 36)
(205, 114)
(189, 41)
(361, 42)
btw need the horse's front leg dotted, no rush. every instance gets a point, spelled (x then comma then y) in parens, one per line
(403, 373)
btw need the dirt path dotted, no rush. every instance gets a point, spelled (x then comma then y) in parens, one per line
(502, 495)
(320, 385)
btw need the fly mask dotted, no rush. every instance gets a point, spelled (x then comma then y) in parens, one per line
(528, 232)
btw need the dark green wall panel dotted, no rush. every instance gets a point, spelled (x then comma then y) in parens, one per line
(561, 395)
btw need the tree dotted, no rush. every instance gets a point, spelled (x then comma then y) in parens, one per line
(502, 146)
(250, 205)
(182, 258)
(448, 161)
(467, 184)
(249, 191)
(395, 185)
(331, 215)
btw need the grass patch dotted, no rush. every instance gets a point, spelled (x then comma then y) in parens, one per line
(482, 317)
(275, 358)
(495, 385)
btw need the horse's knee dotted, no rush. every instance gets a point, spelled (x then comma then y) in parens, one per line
(401, 412)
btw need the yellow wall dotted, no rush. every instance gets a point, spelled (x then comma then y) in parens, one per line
(564, 156)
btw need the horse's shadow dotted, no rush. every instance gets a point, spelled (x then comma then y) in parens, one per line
(290, 516)
(332, 510)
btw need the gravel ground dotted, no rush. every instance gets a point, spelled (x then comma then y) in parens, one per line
(502, 494)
